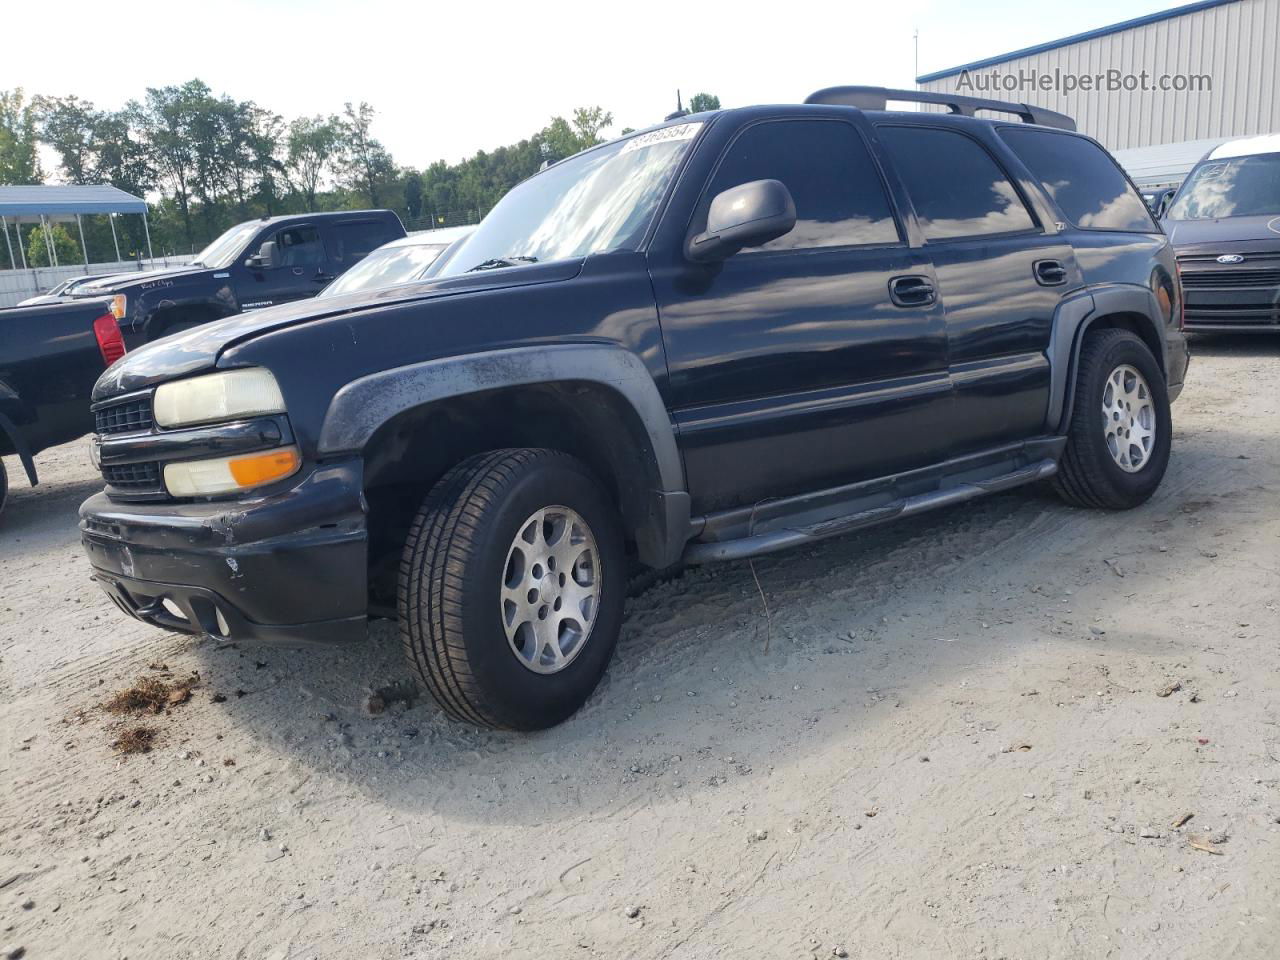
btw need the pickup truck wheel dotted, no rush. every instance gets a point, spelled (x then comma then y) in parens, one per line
(1121, 432)
(511, 588)
(4, 486)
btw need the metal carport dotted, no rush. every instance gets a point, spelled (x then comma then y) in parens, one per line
(51, 204)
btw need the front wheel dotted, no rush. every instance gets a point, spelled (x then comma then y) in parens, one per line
(511, 588)
(1121, 431)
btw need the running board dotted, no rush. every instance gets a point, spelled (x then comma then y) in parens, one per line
(787, 537)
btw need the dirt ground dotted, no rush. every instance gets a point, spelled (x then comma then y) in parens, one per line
(954, 745)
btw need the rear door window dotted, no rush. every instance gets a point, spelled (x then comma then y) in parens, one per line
(956, 186)
(1086, 184)
(350, 241)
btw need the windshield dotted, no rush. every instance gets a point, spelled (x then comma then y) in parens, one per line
(1238, 187)
(594, 202)
(222, 251)
(386, 267)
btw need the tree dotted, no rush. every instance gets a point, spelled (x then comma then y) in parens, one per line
(365, 163)
(68, 250)
(562, 138)
(413, 195)
(311, 151)
(67, 125)
(170, 121)
(19, 162)
(703, 101)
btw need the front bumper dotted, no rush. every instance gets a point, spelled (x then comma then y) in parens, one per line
(285, 567)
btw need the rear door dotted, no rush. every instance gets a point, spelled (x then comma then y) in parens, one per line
(791, 366)
(1001, 274)
(300, 270)
(350, 241)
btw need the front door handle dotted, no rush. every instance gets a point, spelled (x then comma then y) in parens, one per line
(322, 278)
(912, 291)
(1050, 273)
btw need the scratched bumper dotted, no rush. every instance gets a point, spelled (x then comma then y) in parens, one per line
(286, 567)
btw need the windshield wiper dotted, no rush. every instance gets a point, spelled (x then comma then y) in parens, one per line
(496, 262)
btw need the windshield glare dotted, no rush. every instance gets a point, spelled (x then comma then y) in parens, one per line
(1238, 187)
(593, 202)
(384, 268)
(222, 251)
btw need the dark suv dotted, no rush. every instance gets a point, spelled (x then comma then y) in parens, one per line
(729, 334)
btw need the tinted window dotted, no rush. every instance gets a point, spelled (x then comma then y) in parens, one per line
(837, 189)
(299, 247)
(958, 190)
(352, 241)
(1237, 187)
(1085, 183)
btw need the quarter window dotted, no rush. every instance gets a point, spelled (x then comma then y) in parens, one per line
(1083, 180)
(840, 199)
(957, 189)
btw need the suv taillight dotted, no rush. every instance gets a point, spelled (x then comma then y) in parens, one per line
(110, 341)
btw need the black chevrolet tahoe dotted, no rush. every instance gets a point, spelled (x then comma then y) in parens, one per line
(256, 264)
(732, 333)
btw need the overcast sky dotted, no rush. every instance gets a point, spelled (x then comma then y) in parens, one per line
(448, 79)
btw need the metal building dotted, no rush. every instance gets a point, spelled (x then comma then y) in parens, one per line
(1158, 91)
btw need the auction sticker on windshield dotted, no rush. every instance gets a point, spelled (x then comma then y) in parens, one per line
(681, 131)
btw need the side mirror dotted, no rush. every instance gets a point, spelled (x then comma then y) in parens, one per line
(265, 258)
(747, 215)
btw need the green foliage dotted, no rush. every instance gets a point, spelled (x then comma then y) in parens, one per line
(703, 101)
(206, 161)
(67, 249)
(19, 162)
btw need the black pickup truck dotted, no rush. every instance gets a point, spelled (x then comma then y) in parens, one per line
(50, 357)
(253, 265)
(729, 334)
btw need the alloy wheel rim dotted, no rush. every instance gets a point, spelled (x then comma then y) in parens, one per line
(1128, 418)
(550, 592)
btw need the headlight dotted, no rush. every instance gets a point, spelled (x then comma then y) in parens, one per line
(217, 396)
(209, 478)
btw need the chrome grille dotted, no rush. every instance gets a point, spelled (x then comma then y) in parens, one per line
(133, 477)
(1230, 278)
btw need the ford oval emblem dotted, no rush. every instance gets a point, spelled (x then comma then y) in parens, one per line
(1231, 258)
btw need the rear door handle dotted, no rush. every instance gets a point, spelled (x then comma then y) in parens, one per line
(1050, 273)
(912, 291)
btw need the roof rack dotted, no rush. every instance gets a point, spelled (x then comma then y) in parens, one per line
(876, 98)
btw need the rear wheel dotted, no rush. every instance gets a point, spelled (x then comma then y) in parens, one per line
(511, 588)
(1121, 431)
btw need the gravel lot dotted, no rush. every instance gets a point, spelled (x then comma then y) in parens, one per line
(952, 743)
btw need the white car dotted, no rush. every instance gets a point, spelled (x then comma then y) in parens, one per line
(400, 261)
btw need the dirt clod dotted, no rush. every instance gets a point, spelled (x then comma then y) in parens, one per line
(135, 740)
(152, 695)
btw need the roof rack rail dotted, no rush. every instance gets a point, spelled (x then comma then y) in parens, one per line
(875, 98)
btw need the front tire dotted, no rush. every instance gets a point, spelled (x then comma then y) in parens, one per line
(511, 589)
(1121, 430)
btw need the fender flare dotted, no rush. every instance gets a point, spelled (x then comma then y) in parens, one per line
(362, 407)
(1072, 320)
(20, 446)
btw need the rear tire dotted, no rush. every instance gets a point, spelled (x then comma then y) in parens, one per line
(511, 588)
(4, 486)
(1121, 432)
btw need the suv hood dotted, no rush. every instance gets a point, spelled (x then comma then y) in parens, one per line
(198, 349)
(1224, 234)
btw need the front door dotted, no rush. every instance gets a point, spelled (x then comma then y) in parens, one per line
(300, 269)
(817, 359)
